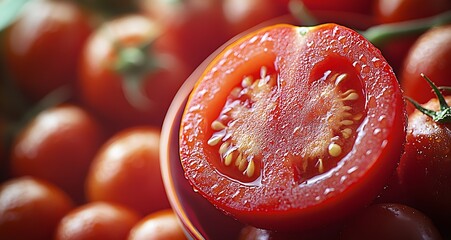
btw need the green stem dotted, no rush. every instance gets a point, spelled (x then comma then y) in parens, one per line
(441, 116)
(381, 34)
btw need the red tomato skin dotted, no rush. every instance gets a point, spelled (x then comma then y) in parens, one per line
(102, 87)
(96, 220)
(58, 145)
(360, 193)
(44, 45)
(31, 208)
(430, 55)
(126, 171)
(425, 168)
(390, 221)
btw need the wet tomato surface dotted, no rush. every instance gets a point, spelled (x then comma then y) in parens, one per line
(293, 127)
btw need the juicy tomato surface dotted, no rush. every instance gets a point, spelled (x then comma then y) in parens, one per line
(124, 78)
(292, 127)
(31, 208)
(425, 168)
(430, 55)
(43, 46)
(97, 220)
(126, 170)
(392, 222)
(58, 145)
(160, 225)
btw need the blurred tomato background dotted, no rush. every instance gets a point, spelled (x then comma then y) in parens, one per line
(85, 86)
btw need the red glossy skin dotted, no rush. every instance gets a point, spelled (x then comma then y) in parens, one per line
(268, 194)
(391, 222)
(102, 85)
(425, 168)
(58, 145)
(96, 220)
(126, 170)
(31, 208)
(160, 225)
(43, 47)
(431, 55)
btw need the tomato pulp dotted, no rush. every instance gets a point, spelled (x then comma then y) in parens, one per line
(290, 128)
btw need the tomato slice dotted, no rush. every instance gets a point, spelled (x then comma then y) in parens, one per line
(293, 127)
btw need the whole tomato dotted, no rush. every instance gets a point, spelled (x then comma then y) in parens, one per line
(43, 46)
(124, 77)
(160, 225)
(31, 208)
(126, 170)
(425, 168)
(97, 220)
(58, 145)
(431, 56)
(391, 222)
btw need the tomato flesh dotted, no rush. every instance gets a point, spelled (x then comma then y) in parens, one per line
(293, 127)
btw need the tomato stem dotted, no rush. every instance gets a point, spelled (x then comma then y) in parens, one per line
(381, 34)
(300, 11)
(441, 116)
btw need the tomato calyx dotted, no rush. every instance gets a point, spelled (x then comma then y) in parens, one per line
(135, 63)
(443, 115)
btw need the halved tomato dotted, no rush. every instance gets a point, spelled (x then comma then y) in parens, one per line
(290, 128)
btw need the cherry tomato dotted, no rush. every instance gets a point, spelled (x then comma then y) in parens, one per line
(58, 145)
(290, 128)
(97, 220)
(124, 77)
(126, 170)
(31, 208)
(425, 167)
(44, 45)
(391, 222)
(160, 225)
(193, 28)
(430, 55)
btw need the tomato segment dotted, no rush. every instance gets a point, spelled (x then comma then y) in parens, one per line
(293, 127)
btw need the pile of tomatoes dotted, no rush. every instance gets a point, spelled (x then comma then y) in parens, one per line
(85, 87)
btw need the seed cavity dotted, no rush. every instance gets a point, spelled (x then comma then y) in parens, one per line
(342, 119)
(233, 153)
